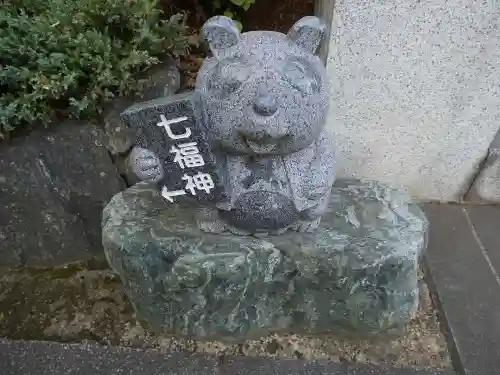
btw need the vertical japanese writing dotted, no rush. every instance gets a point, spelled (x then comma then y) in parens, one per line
(166, 124)
(186, 155)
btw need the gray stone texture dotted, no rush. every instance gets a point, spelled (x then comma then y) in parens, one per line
(161, 80)
(461, 258)
(265, 96)
(38, 357)
(261, 366)
(486, 186)
(35, 358)
(263, 100)
(324, 9)
(485, 220)
(356, 274)
(53, 187)
(153, 158)
(415, 92)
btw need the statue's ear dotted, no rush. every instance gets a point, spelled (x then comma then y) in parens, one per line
(220, 33)
(308, 33)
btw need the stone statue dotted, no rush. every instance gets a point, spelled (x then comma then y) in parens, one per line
(265, 96)
(238, 229)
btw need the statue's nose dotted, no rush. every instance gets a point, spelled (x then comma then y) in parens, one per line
(265, 104)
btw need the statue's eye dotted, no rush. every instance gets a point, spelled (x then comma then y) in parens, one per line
(231, 79)
(295, 71)
(231, 85)
(301, 76)
(228, 79)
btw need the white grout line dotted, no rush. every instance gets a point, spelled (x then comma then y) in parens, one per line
(481, 246)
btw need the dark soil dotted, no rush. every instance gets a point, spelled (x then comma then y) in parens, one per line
(278, 15)
(189, 66)
(87, 302)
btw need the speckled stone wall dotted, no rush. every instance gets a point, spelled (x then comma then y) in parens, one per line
(415, 91)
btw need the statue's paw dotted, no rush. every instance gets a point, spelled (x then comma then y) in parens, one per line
(238, 231)
(211, 226)
(261, 234)
(305, 226)
(146, 165)
(208, 221)
(278, 232)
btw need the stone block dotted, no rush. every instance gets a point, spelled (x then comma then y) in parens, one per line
(170, 131)
(415, 92)
(324, 9)
(159, 81)
(275, 161)
(162, 80)
(42, 357)
(356, 274)
(53, 187)
(120, 138)
(486, 186)
(463, 243)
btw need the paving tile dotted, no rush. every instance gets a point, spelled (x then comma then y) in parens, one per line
(44, 358)
(35, 358)
(468, 292)
(263, 366)
(486, 222)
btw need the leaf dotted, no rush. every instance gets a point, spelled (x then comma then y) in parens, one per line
(245, 4)
(248, 4)
(239, 3)
(230, 14)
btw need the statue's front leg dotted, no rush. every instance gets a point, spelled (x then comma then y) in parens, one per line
(311, 218)
(307, 226)
(209, 221)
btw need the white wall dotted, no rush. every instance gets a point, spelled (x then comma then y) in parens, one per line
(415, 91)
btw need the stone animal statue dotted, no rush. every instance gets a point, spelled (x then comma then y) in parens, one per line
(265, 97)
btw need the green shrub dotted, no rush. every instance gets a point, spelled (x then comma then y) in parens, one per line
(67, 57)
(232, 8)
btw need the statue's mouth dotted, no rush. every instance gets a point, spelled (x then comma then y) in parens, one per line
(259, 147)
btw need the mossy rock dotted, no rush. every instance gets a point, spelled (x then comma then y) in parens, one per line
(357, 274)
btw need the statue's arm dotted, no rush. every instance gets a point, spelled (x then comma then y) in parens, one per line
(145, 165)
(317, 175)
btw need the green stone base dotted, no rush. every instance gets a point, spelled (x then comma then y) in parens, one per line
(357, 274)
